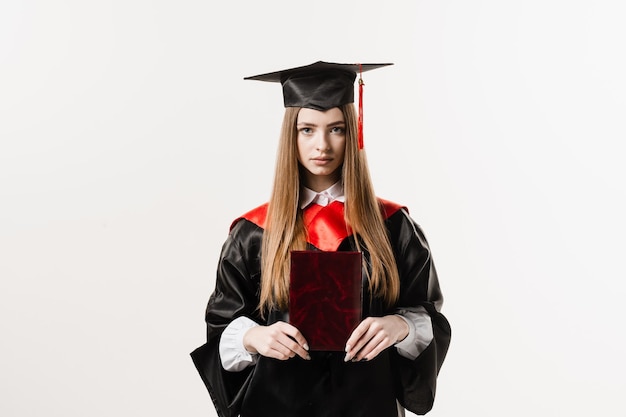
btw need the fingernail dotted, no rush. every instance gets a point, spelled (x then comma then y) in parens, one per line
(347, 358)
(308, 357)
(306, 347)
(348, 347)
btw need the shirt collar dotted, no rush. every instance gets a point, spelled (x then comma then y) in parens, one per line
(323, 198)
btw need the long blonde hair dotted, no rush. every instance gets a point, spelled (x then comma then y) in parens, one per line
(285, 231)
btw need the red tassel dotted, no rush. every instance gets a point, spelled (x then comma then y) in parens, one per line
(360, 107)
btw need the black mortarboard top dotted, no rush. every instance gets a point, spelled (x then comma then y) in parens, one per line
(319, 86)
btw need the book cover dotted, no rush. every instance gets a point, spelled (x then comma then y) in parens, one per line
(325, 295)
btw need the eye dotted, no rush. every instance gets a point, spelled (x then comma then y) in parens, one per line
(306, 130)
(337, 130)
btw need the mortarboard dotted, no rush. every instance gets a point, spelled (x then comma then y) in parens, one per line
(321, 86)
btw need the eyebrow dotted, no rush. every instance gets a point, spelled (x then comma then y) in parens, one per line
(333, 124)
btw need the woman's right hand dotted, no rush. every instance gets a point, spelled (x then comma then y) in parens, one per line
(280, 341)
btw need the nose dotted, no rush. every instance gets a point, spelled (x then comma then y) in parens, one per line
(322, 142)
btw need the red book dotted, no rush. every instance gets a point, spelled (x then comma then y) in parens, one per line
(325, 297)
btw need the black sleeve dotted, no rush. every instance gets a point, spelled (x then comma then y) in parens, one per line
(417, 379)
(235, 295)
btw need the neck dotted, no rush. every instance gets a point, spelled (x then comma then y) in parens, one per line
(319, 183)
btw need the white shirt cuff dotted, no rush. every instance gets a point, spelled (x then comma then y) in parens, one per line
(420, 332)
(233, 354)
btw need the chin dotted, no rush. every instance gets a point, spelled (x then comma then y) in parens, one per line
(325, 174)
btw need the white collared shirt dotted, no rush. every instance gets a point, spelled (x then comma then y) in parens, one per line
(323, 198)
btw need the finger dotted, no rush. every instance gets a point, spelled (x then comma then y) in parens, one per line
(272, 347)
(294, 347)
(290, 338)
(267, 342)
(357, 333)
(295, 334)
(279, 352)
(361, 342)
(376, 345)
(366, 348)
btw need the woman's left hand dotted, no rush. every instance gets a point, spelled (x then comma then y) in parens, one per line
(373, 335)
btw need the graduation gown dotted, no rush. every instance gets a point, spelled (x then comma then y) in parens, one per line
(325, 386)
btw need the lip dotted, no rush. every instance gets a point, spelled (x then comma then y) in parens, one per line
(321, 161)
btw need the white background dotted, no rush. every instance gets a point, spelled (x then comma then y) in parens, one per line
(129, 142)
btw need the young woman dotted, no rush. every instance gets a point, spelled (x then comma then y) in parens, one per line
(257, 364)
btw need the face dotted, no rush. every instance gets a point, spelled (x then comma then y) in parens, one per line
(321, 146)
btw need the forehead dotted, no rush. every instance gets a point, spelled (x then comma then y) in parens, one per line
(306, 115)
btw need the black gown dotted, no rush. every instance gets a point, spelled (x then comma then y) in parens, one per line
(325, 386)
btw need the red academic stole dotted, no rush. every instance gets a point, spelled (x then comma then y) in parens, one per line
(325, 225)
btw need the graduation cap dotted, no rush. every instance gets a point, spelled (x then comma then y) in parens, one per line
(321, 86)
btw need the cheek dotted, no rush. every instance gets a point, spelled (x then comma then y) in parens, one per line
(341, 150)
(300, 149)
